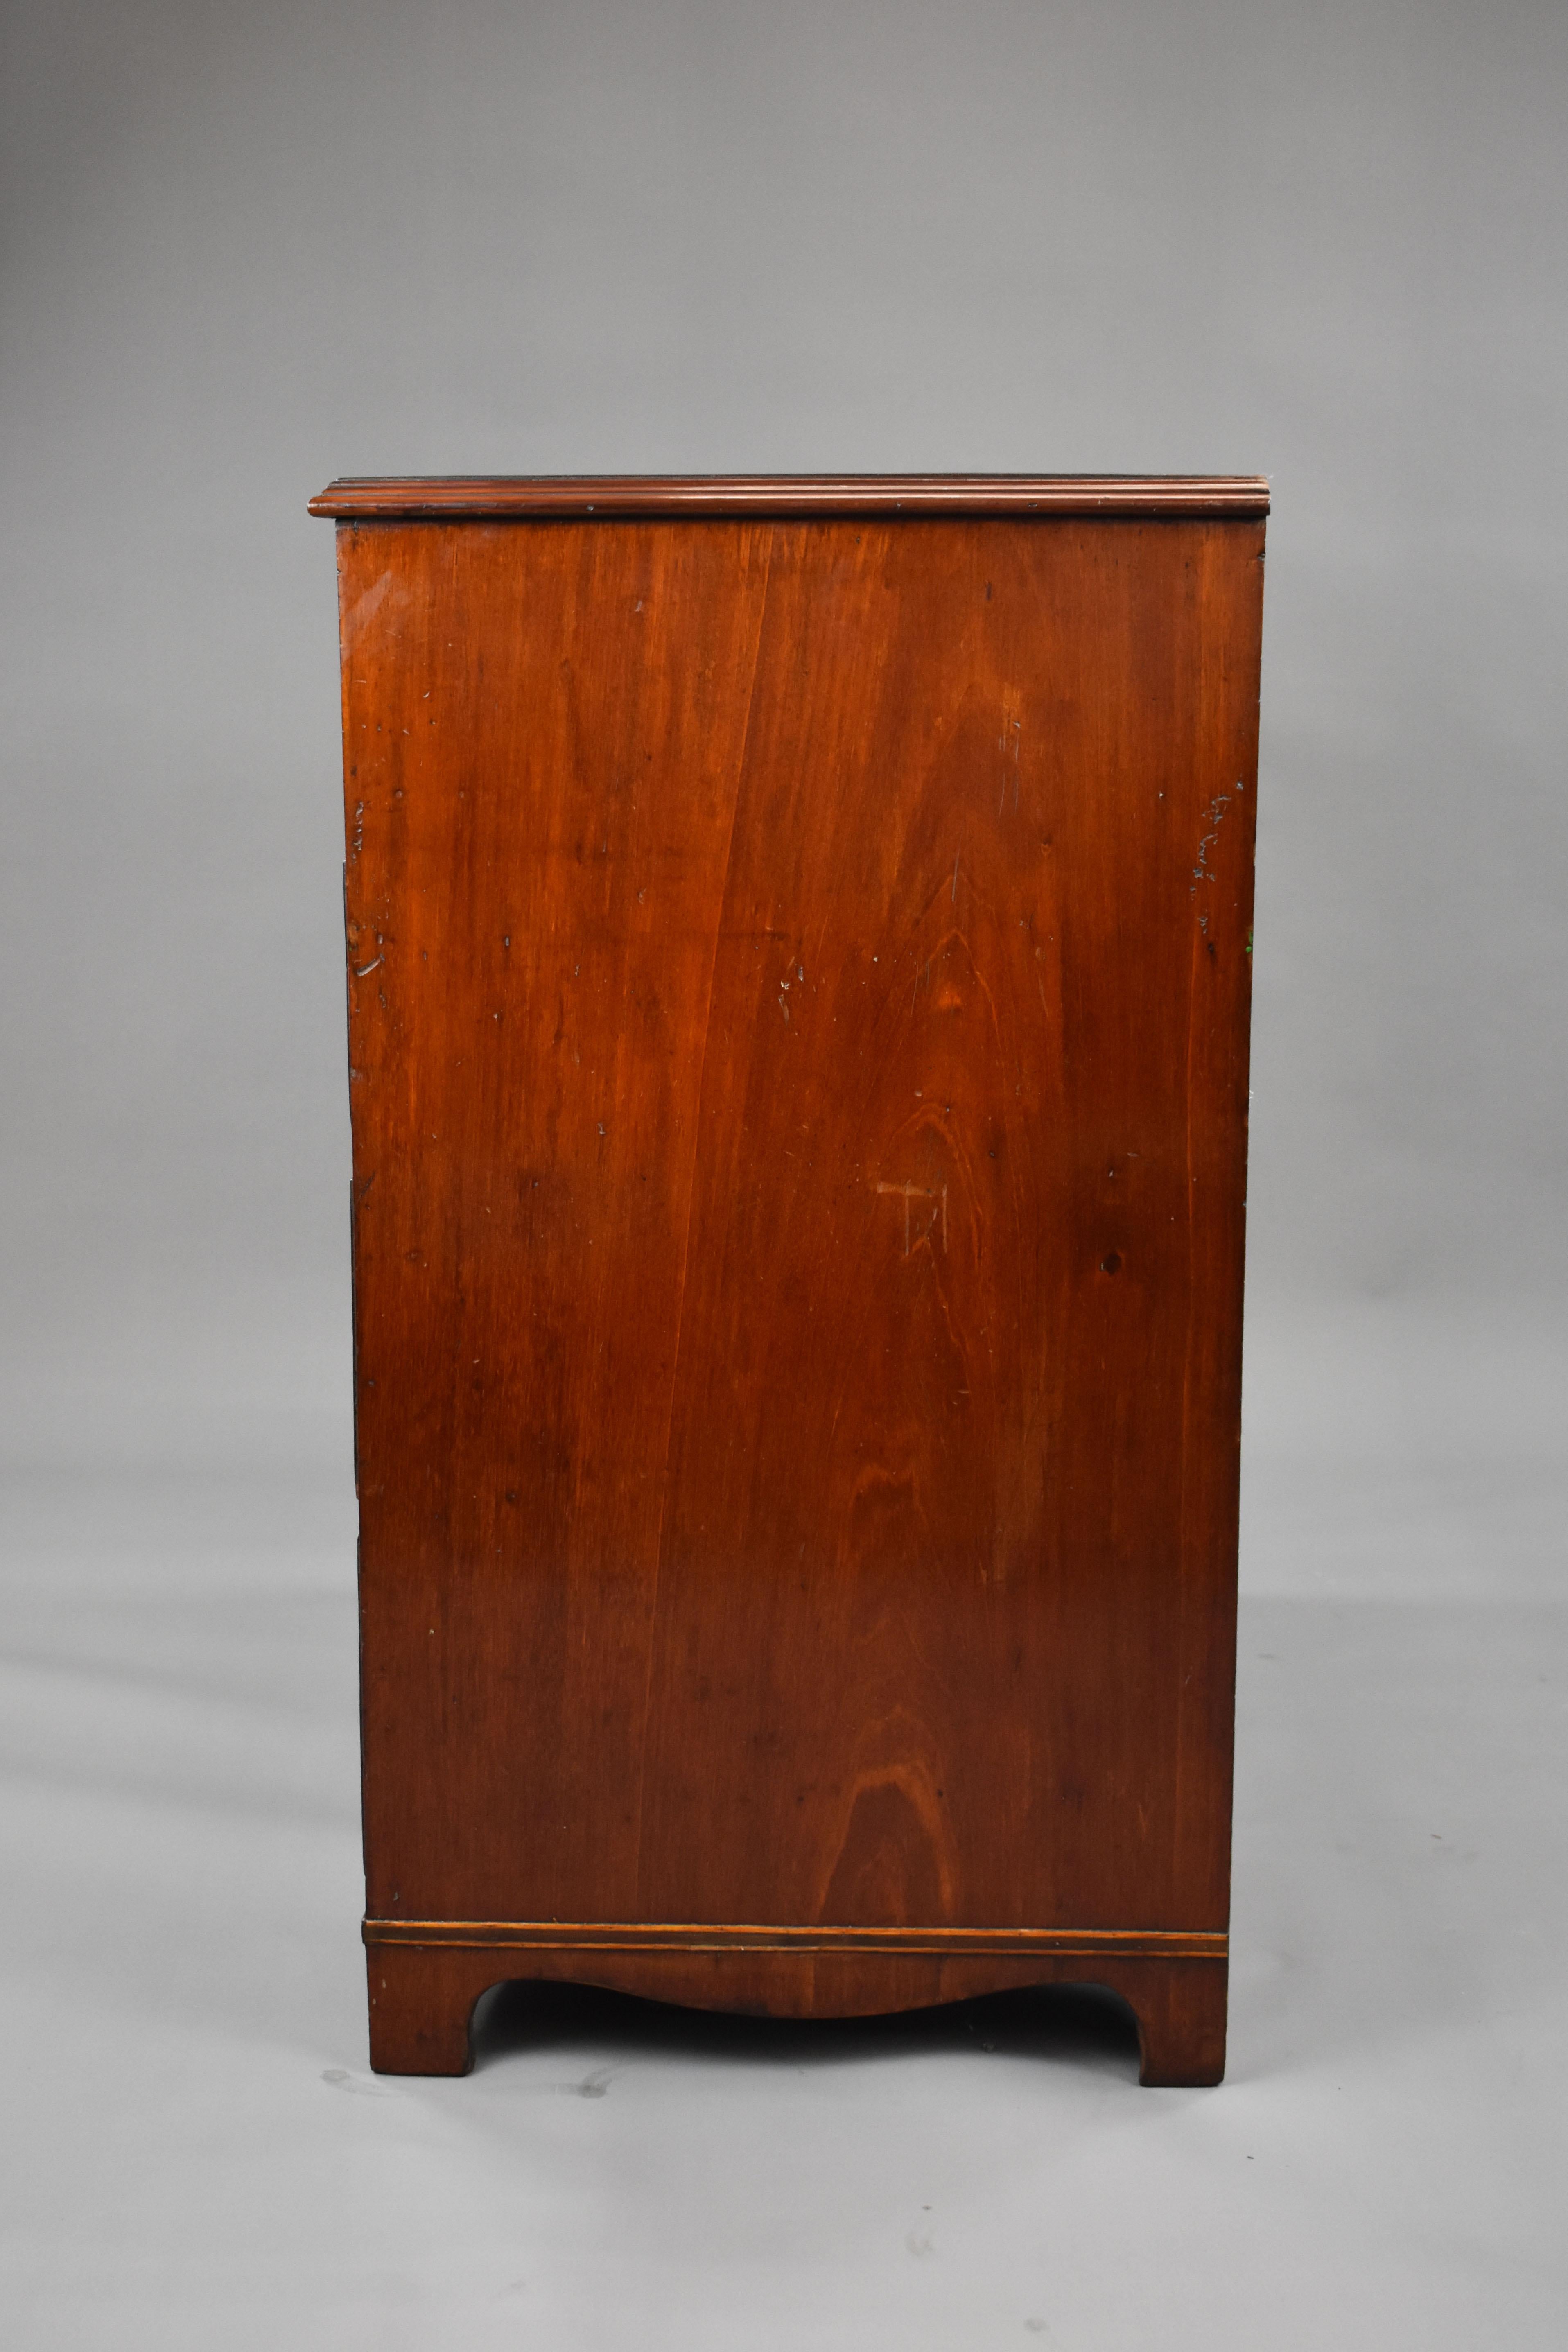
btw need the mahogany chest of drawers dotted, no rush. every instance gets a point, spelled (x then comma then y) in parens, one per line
(799, 940)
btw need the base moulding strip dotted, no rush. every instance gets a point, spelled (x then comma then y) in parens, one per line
(947, 1943)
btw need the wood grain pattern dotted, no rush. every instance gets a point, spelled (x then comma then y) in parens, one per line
(877, 495)
(798, 990)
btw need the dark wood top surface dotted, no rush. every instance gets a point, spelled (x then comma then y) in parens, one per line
(390, 496)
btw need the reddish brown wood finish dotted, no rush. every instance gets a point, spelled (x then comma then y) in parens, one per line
(798, 999)
(422, 1996)
(751, 495)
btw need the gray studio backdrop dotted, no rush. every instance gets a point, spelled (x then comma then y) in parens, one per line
(247, 249)
(251, 244)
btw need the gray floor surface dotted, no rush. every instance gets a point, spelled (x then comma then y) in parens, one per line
(197, 2155)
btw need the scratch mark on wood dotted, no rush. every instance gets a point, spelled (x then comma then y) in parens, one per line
(908, 1192)
(1215, 814)
(1017, 725)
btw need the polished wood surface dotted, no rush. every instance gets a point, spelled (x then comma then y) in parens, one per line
(798, 995)
(880, 495)
(422, 2003)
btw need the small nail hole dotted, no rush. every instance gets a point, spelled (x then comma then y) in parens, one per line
(1111, 1265)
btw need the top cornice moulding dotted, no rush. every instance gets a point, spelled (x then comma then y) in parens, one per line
(431, 497)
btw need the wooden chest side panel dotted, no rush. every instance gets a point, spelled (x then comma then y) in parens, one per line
(798, 1025)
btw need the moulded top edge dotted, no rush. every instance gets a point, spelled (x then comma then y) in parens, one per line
(429, 496)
